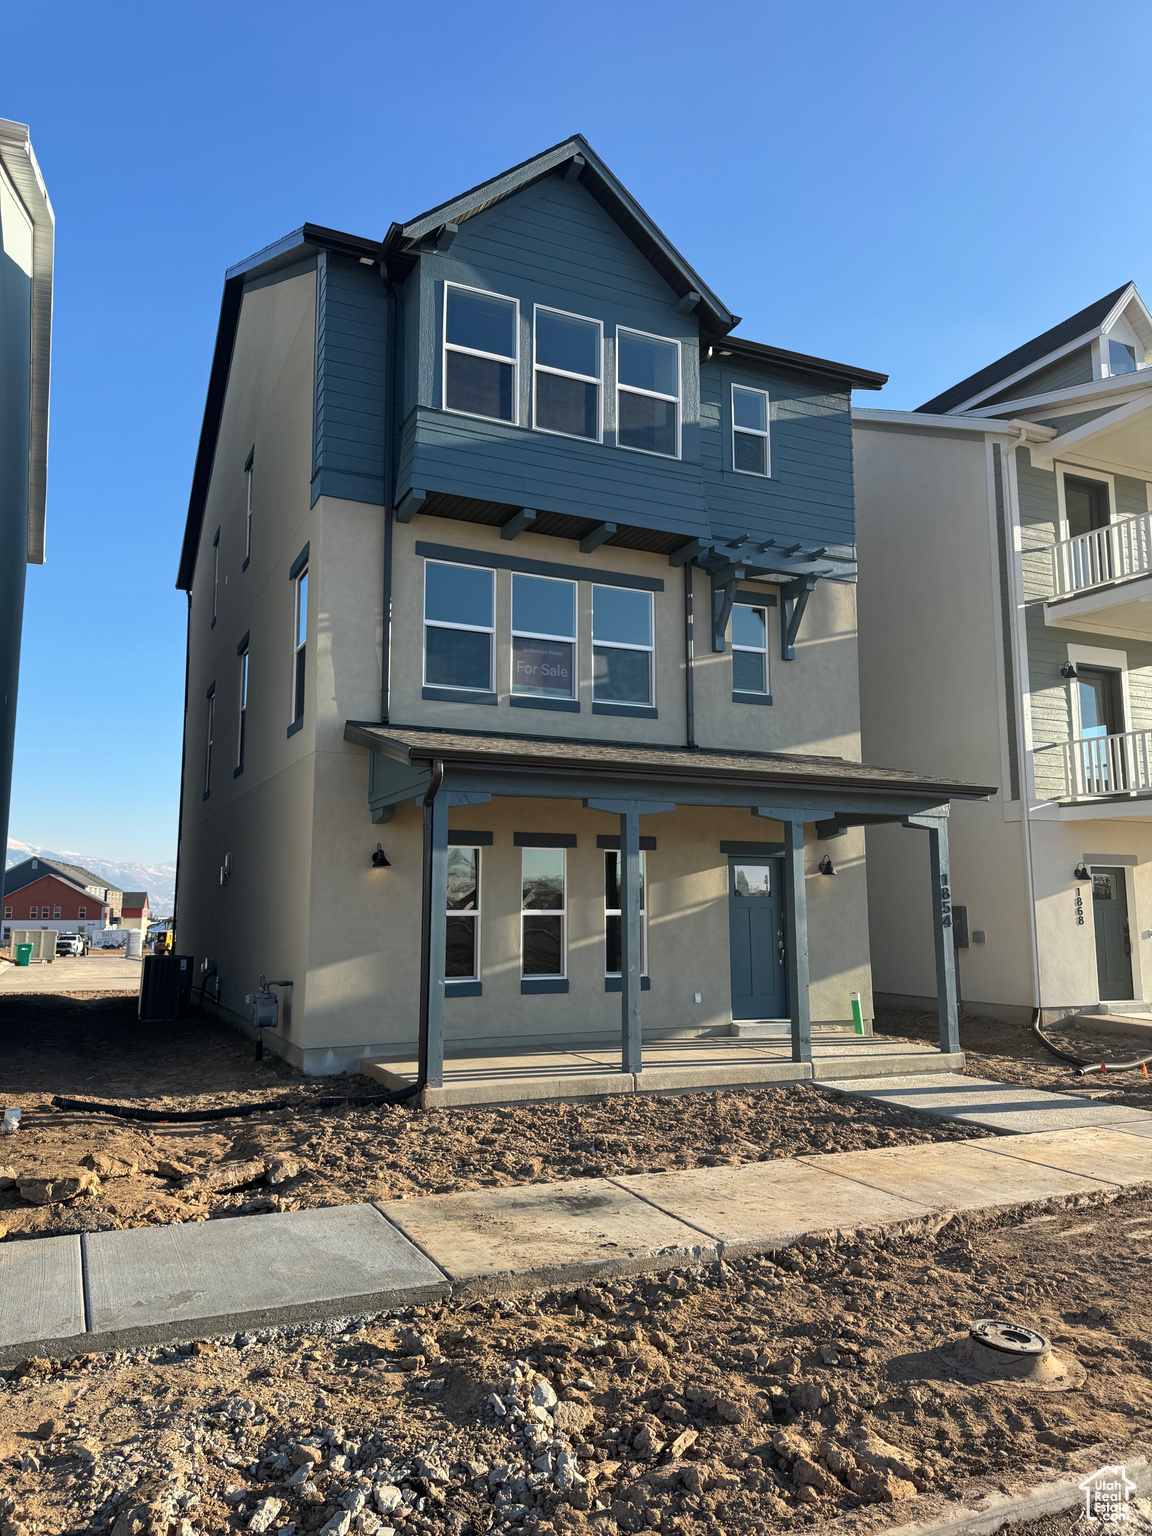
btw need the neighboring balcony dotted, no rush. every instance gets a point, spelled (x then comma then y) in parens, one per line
(1102, 580)
(1100, 767)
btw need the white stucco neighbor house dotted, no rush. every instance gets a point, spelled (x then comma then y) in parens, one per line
(1005, 545)
(522, 702)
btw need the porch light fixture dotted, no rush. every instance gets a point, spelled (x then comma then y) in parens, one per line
(1068, 670)
(380, 859)
(1081, 872)
(826, 866)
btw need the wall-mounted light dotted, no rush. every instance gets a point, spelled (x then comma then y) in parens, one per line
(380, 859)
(1069, 671)
(826, 866)
(1081, 872)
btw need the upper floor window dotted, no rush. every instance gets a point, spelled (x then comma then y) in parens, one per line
(242, 722)
(750, 449)
(544, 636)
(248, 506)
(1087, 504)
(622, 645)
(300, 646)
(647, 393)
(7, 911)
(216, 576)
(459, 608)
(568, 350)
(749, 648)
(481, 352)
(80, 912)
(1121, 357)
(462, 931)
(55, 911)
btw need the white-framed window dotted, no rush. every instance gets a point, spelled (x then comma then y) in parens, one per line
(7, 911)
(647, 393)
(751, 447)
(81, 912)
(55, 911)
(613, 948)
(462, 932)
(1086, 500)
(567, 352)
(33, 911)
(216, 576)
(543, 912)
(1121, 357)
(543, 637)
(459, 620)
(749, 648)
(242, 712)
(481, 353)
(622, 647)
(300, 645)
(210, 728)
(248, 507)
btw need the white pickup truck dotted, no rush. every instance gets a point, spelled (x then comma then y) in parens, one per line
(75, 944)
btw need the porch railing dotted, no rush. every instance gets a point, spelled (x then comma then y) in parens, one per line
(1112, 553)
(1108, 765)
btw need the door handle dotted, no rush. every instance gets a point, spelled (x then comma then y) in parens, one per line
(780, 944)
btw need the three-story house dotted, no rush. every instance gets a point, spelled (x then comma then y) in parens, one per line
(522, 684)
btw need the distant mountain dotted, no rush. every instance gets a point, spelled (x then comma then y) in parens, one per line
(159, 880)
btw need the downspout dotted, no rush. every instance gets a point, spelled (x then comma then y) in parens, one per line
(389, 412)
(183, 767)
(689, 688)
(426, 921)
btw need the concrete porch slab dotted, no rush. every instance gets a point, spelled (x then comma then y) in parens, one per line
(494, 1241)
(1135, 1026)
(761, 1206)
(155, 1283)
(884, 1061)
(41, 1295)
(1114, 1156)
(1003, 1107)
(962, 1176)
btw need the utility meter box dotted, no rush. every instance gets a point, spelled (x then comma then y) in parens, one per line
(265, 1006)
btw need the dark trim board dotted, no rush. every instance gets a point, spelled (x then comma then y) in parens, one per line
(543, 839)
(752, 850)
(610, 840)
(633, 711)
(463, 988)
(543, 984)
(750, 698)
(299, 563)
(761, 599)
(458, 696)
(469, 839)
(531, 701)
(501, 562)
(614, 984)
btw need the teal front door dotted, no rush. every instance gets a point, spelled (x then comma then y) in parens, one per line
(1113, 941)
(756, 938)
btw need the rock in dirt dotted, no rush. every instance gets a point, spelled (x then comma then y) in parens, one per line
(278, 1170)
(572, 1418)
(686, 1438)
(7, 1176)
(227, 1176)
(169, 1168)
(55, 1191)
(110, 1167)
(49, 1429)
(266, 1511)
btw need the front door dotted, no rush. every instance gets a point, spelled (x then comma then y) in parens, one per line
(1113, 942)
(756, 939)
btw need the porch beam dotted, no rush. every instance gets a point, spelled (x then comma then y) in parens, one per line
(599, 535)
(432, 1020)
(795, 598)
(724, 584)
(517, 523)
(941, 880)
(795, 927)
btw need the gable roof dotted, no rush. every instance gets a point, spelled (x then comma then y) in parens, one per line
(134, 899)
(1080, 324)
(23, 874)
(402, 242)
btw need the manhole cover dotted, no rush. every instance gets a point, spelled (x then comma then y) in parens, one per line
(1008, 1338)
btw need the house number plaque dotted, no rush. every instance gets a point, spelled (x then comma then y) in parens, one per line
(1079, 910)
(945, 903)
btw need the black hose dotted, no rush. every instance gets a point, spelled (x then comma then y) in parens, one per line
(228, 1111)
(1083, 1065)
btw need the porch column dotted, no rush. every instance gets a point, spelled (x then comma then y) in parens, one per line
(631, 947)
(795, 927)
(432, 1014)
(937, 828)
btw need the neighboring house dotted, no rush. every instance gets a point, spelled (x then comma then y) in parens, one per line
(28, 870)
(522, 644)
(52, 900)
(134, 912)
(1005, 534)
(26, 251)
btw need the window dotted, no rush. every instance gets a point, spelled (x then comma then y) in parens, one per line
(81, 912)
(567, 385)
(481, 350)
(648, 393)
(211, 726)
(1087, 504)
(242, 722)
(542, 912)
(33, 911)
(458, 622)
(749, 648)
(462, 935)
(248, 507)
(612, 943)
(544, 637)
(7, 911)
(622, 645)
(55, 911)
(215, 576)
(300, 647)
(1121, 357)
(750, 454)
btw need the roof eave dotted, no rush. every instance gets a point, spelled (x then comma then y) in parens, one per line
(803, 362)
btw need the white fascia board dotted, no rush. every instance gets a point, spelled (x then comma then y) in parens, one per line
(1121, 384)
(987, 424)
(1061, 444)
(19, 162)
(1034, 367)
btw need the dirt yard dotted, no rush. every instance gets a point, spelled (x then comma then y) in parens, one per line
(69, 1172)
(774, 1395)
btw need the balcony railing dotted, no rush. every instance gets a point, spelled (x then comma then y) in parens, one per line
(1112, 553)
(1108, 765)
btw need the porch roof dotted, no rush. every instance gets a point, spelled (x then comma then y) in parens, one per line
(415, 746)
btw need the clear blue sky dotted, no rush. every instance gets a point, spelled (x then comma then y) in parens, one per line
(908, 187)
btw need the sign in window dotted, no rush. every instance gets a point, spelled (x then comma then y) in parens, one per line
(544, 637)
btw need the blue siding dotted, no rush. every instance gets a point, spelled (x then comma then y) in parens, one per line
(351, 363)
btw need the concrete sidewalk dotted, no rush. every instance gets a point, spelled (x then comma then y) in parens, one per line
(66, 1295)
(1004, 1107)
(90, 973)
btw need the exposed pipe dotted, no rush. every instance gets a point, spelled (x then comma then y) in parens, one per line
(1084, 1066)
(389, 412)
(426, 918)
(689, 656)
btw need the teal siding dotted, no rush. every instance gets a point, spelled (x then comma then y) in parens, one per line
(1076, 368)
(351, 364)
(1131, 496)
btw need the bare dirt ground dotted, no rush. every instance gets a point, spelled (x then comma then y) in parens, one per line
(69, 1172)
(777, 1394)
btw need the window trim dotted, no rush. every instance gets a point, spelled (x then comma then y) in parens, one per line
(446, 346)
(561, 912)
(82, 914)
(210, 699)
(652, 394)
(474, 916)
(472, 629)
(1080, 472)
(215, 579)
(616, 853)
(623, 645)
(242, 707)
(752, 389)
(563, 373)
(248, 463)
(573, 640)
(753, 650)
(298, 681)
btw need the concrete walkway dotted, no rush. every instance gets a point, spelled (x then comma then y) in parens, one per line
(1004, 1107)
(66, 1295)
(94, 972)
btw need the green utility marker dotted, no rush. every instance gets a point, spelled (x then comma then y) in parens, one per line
(857, 1014)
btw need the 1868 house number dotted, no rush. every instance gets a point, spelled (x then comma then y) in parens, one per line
(1079, 910)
